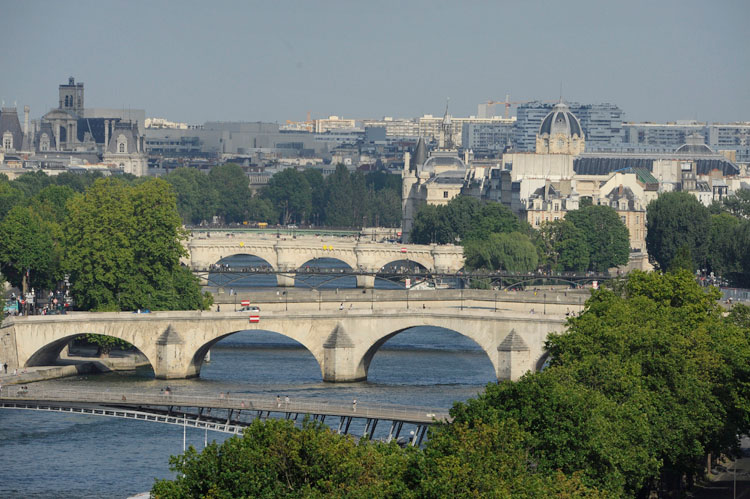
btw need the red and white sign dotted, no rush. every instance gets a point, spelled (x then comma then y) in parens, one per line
(403, 250)
(245, 303)
(254, 318)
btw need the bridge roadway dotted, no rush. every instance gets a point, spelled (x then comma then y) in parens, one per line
(342, 341)
(222, 412)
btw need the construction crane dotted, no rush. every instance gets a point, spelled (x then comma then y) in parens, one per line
(307, 125)
(508, 103)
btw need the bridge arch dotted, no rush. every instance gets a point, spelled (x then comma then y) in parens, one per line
(431, 354)
(335, 273)
(199, 355)
(483, 340)
(48, 353)
(424, 259)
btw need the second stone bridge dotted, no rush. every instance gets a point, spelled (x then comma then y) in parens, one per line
(343, 342)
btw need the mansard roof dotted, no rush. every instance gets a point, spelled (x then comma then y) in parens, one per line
(9, 123)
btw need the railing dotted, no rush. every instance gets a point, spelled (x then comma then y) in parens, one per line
(224, 400)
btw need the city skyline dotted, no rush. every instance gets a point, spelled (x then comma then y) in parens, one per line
(194, 62)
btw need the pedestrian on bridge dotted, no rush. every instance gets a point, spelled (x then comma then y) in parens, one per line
(354, 405)
(278, 401)
(286, 400)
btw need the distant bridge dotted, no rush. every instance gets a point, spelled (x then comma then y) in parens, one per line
(501, 280)
(224, 413)
(287, 255)
(342, 341)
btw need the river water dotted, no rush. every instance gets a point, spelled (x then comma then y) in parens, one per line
(60, 455)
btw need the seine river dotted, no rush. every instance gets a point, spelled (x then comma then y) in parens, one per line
(59, 455)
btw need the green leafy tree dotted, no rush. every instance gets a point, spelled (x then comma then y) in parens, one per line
(196, 194)
(29, 249)
(431, 226)
(661, 347)
(275, 459)
(339, 210)
(79, 182)
(724, 248)
(502, 251)
(738, 204)
(606, 236)
(32, 183)
(565, 246)
(317, 184)
(675, 219)
(10, 196)
(123, 245)
(261, 210)
(493, 218)
(51, 203)
(290, 195)
(232, 190)
(489, 459)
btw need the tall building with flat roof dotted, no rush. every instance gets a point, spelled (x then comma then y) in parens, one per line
(601, 124)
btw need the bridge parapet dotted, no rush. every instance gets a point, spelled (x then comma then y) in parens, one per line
(342, 341)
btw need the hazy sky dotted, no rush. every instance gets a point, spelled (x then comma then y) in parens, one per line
(272, 61)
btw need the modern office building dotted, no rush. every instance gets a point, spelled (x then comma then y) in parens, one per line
(487, 137)
(601, 123)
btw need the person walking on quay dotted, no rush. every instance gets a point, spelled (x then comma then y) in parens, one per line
(5, 366)
(354, 405)
(286, 400)
(278, 401)
(341, 307)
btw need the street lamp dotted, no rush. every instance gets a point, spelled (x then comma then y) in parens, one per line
(545, 303)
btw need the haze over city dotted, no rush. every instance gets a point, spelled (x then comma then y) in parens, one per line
(273, 61)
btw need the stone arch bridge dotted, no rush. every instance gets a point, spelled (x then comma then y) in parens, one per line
(288, 254)
(343, 342)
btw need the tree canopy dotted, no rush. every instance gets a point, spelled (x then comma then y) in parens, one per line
(673, 220)
(606, 236)
(122, 249)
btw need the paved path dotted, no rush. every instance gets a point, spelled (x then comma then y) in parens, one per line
(224, 401)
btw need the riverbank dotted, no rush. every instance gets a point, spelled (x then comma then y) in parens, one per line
(79, 361)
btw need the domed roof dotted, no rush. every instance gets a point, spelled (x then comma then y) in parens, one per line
(695, 145)
(561, 120)
(443, 163)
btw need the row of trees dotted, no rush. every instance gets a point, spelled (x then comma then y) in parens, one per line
(342, 199)
(590, 238)
(682, 232)
(648, 380)
(118, 239)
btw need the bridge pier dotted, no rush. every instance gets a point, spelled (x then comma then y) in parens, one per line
(285, 280)
(513, 357)
(366, 281)
(339, 362)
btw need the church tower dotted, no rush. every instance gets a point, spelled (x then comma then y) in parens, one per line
(71, 97)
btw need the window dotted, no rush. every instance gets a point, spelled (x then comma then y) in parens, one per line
(7, 141)
(622, 217)
(445, 194)
(122, 147)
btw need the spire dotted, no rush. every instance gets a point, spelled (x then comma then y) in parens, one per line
(420, 155)
(446, 137)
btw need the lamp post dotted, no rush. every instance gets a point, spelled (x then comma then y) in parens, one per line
(545, 303)
(495, 301)
(286, 301)
(372, 298)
